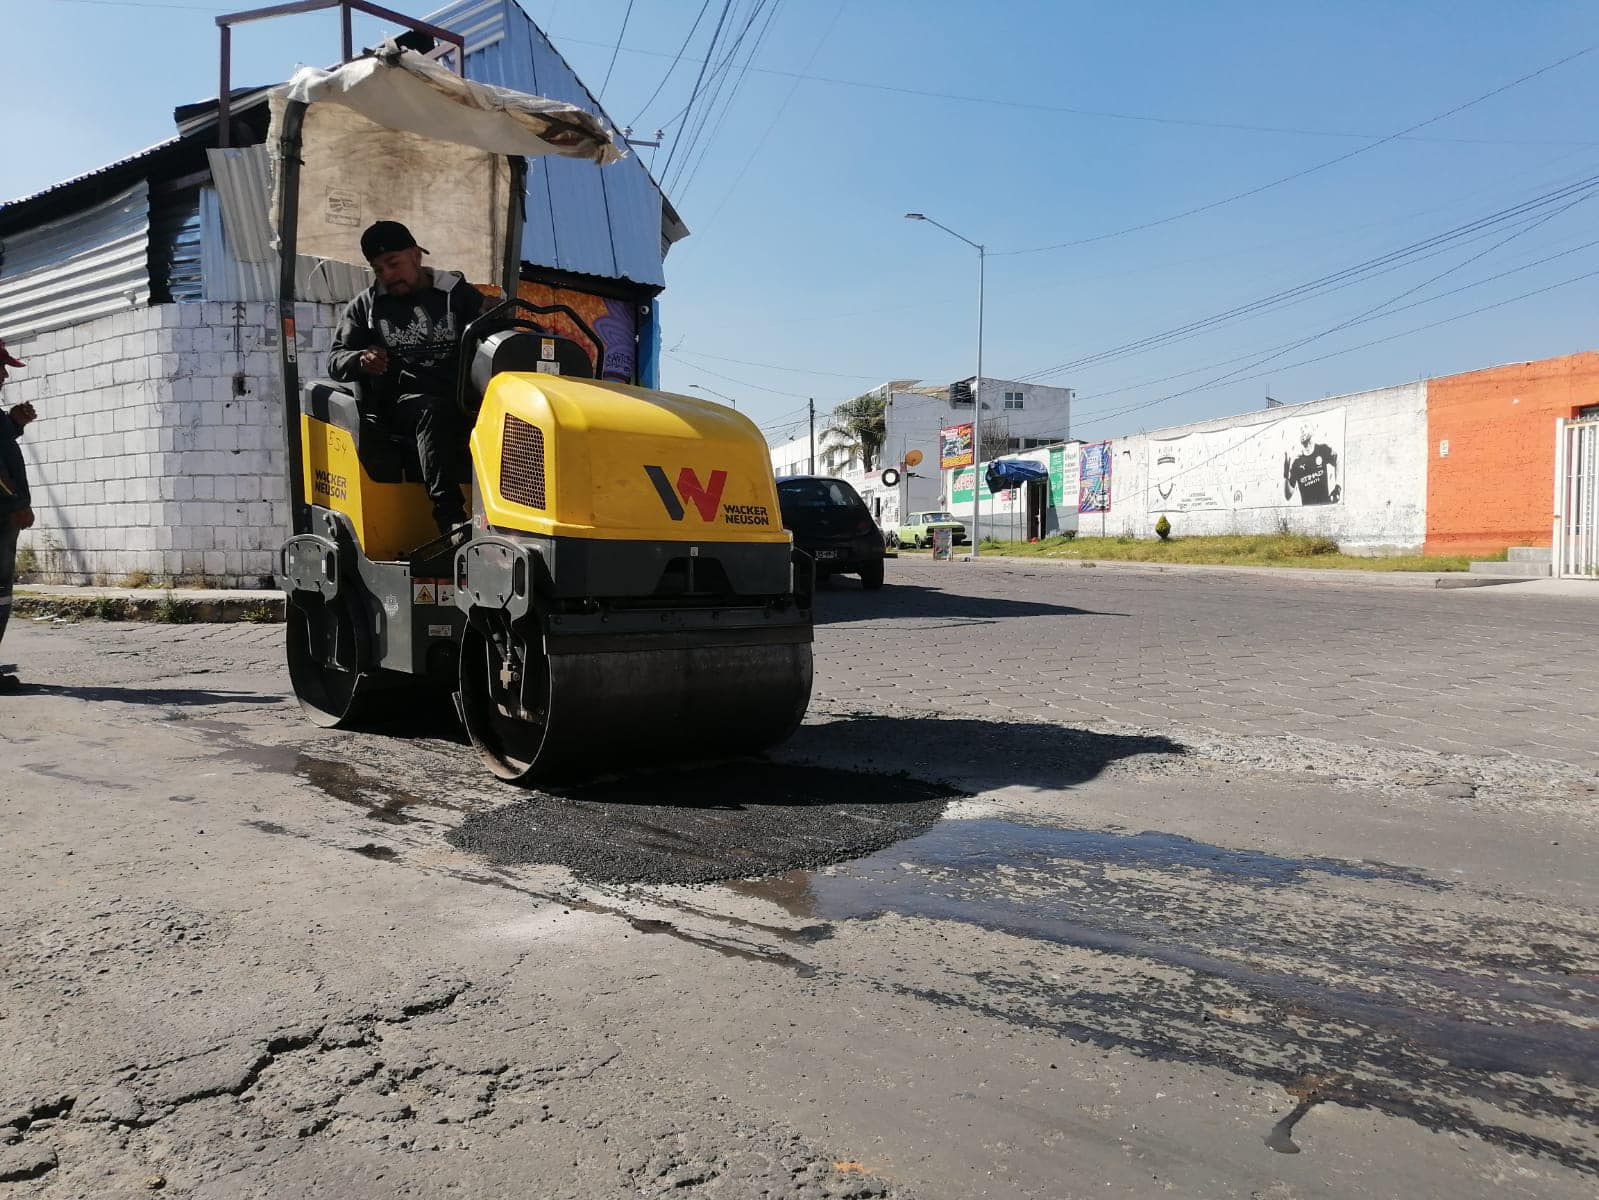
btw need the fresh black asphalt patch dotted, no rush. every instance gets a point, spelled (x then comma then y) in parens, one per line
(729, 821)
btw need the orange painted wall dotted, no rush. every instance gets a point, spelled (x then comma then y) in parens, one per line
(1496, 487)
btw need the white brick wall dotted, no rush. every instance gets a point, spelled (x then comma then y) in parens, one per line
(146, 457)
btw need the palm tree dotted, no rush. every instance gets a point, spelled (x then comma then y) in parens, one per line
(860, 426)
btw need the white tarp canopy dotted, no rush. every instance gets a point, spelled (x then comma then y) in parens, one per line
(398, 137)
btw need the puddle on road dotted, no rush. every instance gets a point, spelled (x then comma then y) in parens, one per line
(899, 880)
(707, 823)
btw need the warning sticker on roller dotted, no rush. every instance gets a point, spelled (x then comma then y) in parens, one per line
(440, 631)
(422, 592)
(444, 592)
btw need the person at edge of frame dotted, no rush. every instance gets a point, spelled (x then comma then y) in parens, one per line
(16, 502)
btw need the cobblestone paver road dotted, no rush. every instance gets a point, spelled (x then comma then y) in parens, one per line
(1245, 886)
(1478, 671)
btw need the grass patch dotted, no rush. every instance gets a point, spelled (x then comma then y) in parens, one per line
(173, 611)
(1244, 550)
(259, 614)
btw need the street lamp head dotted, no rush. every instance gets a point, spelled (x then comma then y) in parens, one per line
(915, 217)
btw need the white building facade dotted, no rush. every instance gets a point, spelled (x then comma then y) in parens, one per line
(908, 478)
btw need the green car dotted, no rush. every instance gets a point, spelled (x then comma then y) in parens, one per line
(917, 529)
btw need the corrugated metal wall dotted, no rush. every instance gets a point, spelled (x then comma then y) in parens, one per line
(90, 264)
(240, 261)
(175, 259)
(590, 220)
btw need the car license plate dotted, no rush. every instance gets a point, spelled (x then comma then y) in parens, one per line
(829, 554)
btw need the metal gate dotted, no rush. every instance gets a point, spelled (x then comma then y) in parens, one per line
(1576, 540)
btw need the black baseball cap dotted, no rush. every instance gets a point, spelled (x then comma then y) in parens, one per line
(385, 237)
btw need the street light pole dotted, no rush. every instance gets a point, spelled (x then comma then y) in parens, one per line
(977, 384)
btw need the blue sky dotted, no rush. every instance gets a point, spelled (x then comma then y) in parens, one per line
(1049, 123)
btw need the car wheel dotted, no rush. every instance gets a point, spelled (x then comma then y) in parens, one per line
(872, 575)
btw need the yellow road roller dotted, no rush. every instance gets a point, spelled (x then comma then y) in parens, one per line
(625, 591)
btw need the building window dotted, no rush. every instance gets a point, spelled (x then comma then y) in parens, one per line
(1013, 400)
(1013, 443)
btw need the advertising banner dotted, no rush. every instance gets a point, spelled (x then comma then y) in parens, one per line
(955, 447)
(1282, 463)
(1093, 478)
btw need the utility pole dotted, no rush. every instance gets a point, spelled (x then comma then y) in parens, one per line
(811, 402)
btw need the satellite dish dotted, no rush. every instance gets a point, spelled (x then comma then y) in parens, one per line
(913, 459)
(890, 477)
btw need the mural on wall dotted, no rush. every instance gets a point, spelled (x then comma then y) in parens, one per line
(955, 447)
(1093, 478)
(615, 321)
(1288, 462)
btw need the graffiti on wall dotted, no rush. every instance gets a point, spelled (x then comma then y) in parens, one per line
(614, 321)
(1093, 478)
(1288, 462)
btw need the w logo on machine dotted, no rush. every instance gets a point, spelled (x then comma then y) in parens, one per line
(705, 497)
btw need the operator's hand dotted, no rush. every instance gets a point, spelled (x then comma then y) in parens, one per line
(375, 361)
(22, 519)
(22, 414)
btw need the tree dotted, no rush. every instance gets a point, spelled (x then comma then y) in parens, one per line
(860, 426)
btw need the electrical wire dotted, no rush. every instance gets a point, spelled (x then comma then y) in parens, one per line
(741, 382)
(727, 105)
(744, 362)
(693, 95)
(1132, 408)
(676, 58)
(776, 117)
(1352, 274)
(694, 136)
(1104, 114)
(1311, 170)
(616, 49)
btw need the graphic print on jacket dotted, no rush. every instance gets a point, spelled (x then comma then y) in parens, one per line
(424, 340)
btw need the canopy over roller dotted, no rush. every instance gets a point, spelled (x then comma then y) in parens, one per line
(381, 134)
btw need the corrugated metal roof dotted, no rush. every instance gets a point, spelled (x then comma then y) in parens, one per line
(608, 221)
(147, 152)
(72, 269)
(240, 261)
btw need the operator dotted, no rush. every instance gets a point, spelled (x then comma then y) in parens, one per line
(1313, 473)
(16, 505)
(402, 338)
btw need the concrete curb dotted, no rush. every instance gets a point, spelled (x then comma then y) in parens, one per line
(174, 606)
(1395, 579)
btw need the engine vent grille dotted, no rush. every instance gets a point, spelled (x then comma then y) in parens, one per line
(522, 463)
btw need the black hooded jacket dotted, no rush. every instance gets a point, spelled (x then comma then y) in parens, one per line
(421, 332)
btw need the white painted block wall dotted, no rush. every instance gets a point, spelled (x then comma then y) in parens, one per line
(1383, 468)
(145, 457)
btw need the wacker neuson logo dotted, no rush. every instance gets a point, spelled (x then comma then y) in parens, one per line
(704, 497)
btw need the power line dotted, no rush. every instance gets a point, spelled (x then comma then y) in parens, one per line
(776, 117)
(693, 131)
(1465, 287)
(1311, 170)
(616, 49)
(744, 362)
(1104, 114)
(727, 105)
(710, 50)
(1344, 277)
(676, 58)
(741, 382)
(1351, 349)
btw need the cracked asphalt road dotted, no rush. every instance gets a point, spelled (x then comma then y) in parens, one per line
(1074, 883)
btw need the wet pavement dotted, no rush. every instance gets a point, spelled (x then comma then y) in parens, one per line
(946, 942)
